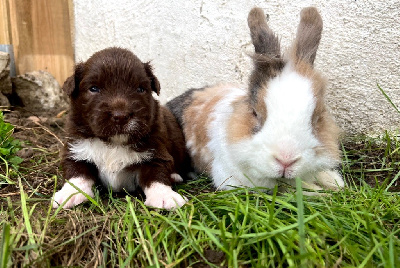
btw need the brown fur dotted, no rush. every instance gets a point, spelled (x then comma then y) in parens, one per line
(197, 120)
(241, 122)
(261, 34)
(118, 74)
(244, 121)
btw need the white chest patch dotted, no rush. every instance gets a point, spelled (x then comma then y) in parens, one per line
(111, 160)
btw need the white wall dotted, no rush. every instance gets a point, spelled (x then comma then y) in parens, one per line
(199, 42)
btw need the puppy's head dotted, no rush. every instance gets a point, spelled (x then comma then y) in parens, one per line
(111, 95)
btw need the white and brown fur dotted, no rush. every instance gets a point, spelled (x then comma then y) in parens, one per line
(118, 134)
(276, 129)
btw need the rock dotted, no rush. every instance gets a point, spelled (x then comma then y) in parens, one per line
(5, 80)
(39, 91)
(4, 102)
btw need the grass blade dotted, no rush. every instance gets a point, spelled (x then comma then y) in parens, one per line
(300, 216)
(5, 246)
(388, 98)
(25, 214)
(142, 240)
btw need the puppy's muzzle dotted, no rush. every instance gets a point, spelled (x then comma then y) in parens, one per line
(120, 113)
(120, 116)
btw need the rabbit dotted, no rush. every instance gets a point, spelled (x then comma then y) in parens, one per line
(275, 129)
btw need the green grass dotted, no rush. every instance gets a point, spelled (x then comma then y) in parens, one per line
(356, 227)
(9, 146)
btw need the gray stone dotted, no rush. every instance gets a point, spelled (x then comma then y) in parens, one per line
(39, 91)
(5, 80)
(4, 102)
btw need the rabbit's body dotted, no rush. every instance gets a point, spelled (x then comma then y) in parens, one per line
(274, 130)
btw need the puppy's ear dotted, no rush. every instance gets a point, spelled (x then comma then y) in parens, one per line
(155, 85)
(71, 85)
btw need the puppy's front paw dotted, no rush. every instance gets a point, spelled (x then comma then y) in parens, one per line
(162, 196)
(84, 184)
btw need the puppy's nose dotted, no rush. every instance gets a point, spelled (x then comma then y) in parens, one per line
(119, 116)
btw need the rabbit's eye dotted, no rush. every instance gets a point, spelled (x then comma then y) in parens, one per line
(257, 126)
(315, 119)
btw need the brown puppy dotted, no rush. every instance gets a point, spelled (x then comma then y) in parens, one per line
(118, 133)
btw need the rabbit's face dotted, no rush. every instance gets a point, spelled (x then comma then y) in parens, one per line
(294, 132)
(292, 140)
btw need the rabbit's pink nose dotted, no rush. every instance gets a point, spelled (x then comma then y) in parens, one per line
(286, 161)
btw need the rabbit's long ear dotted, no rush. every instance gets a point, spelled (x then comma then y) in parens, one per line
(264, 40)
(267, 60)
(308, 35)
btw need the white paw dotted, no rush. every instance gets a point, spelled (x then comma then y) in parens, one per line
(67, 190)
(176, 177)
(330, 179)
(159, 195)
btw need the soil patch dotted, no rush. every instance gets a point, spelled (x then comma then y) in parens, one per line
(375, 161)
(42, 138)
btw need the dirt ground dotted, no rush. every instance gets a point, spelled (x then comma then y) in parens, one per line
(43, 135)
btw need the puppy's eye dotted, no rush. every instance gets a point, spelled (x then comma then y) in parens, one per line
(140, 90)
(94, 89)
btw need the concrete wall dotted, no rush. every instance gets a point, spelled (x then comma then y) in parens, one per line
(198, 42)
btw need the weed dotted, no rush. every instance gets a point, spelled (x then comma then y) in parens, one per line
(8, 149)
